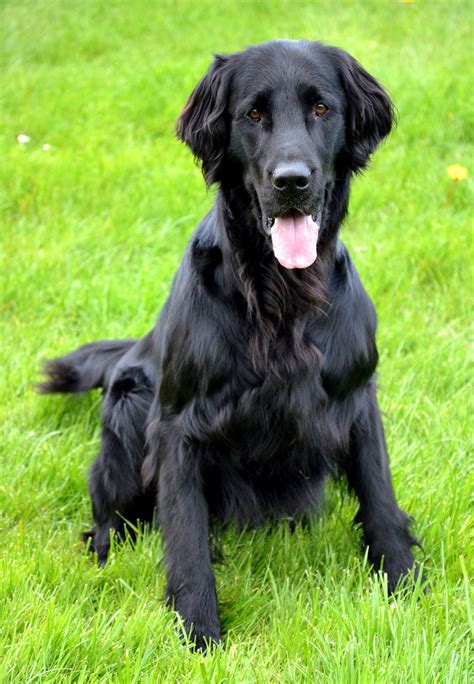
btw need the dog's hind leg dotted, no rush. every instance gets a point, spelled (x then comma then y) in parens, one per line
(115, 482)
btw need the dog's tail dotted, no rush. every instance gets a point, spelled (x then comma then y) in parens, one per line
(85, 368)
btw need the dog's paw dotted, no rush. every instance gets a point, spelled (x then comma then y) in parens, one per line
(90, 541)
(197, 614)
(199, 630)
(201, 637)
(402, 578)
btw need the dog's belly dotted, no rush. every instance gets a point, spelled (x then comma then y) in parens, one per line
(268, 460)
(250, 495)
(266, 451)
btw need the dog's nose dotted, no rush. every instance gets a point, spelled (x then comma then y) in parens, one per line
(292, 177)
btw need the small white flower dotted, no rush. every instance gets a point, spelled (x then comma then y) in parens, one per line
(23, 139)
(46, 147)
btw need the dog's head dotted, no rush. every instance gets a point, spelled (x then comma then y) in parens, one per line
(285, 120)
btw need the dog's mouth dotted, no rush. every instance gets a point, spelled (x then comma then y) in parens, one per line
(294, 238)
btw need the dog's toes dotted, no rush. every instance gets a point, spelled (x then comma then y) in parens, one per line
(403, 579)
(89, 539)
(202, 638)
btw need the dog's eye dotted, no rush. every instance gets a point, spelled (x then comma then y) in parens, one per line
(255, 115)
(320, 109)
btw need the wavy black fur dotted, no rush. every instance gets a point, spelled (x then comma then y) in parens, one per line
(257, 381)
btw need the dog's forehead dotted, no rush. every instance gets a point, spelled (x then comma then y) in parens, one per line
(283, 63)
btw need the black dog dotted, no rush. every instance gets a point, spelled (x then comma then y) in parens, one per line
(258, 380)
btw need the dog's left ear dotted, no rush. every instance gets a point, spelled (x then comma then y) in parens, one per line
(369, 115)
(204, 124)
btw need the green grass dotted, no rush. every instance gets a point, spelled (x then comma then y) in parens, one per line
(92, 232)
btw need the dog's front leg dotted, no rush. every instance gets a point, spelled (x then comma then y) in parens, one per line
(385, 526)
(183, 516)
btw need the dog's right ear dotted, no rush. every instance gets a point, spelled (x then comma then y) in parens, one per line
(204, 123)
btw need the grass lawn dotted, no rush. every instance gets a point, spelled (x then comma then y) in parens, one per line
(93, 229)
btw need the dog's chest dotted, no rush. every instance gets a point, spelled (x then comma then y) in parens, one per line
(265, 415)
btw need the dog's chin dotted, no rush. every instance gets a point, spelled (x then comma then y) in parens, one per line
(294, 236)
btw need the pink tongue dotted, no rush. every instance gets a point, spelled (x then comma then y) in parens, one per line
(294, 239)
